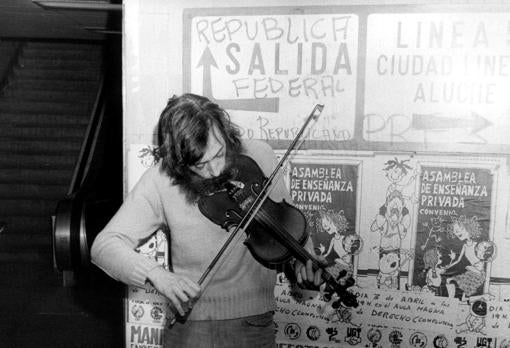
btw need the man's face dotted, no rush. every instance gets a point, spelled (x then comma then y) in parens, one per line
(214, 159)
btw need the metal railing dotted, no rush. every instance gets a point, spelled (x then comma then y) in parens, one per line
(70, 239)
(89, 142)
(5, 74)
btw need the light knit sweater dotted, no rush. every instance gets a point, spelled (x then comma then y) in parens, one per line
(240, 287)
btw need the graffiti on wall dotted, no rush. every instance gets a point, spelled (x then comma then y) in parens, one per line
(443, 72)
(266, 69)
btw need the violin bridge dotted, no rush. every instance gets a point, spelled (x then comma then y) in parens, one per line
(234, 186)
(236, 192)
(247, 203)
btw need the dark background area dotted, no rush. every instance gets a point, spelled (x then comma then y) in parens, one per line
(40, 304)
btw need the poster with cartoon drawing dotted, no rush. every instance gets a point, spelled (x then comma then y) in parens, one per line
(392, 222)
(147, 310)
(453, 246)
(326, 193)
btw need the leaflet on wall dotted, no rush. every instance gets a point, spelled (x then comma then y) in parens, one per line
(386, 319)
(147, 311)
(144, 336)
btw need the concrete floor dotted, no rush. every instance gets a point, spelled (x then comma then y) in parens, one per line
(37, 311)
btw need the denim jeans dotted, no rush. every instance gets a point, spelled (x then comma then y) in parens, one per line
(255, 331)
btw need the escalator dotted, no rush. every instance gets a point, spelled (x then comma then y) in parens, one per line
(61, 156)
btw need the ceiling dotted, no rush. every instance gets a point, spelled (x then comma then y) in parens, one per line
(70, 19)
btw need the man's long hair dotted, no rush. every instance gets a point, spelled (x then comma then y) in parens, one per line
(183, 131)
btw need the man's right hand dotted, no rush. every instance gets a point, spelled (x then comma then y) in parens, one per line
(180, 290)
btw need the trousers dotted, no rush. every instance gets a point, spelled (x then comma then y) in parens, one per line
(257, 331)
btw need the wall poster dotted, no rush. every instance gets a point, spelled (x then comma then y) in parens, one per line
(453, 244)
(327, 193)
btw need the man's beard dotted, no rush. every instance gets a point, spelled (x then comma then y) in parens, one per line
(196, 186)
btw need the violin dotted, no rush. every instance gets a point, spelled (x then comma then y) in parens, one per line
(276, 232)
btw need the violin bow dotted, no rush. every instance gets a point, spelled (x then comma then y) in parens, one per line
(250, 214)
(234, 235)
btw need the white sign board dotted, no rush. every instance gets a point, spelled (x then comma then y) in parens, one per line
(268, 70)
(438, 78)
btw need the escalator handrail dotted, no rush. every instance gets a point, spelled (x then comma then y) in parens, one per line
(70, 244)
(4, 80)
(89, 142)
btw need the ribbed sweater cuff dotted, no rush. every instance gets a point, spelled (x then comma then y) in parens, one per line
(142, 268)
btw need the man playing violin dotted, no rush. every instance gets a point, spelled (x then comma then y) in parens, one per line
(197, 145)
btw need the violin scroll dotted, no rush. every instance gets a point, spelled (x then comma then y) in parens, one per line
(338, 285)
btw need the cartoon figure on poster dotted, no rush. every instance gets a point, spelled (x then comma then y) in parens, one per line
(467, 279)
(396, 172)
(333, 308)
(335, 312)
(392, 223)
(433, 272)
(390, 265)
(437, 232)
(338, 249)
(149, 156)
(433, 257)
(156, 248)
(342, 245)
(475, 321)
